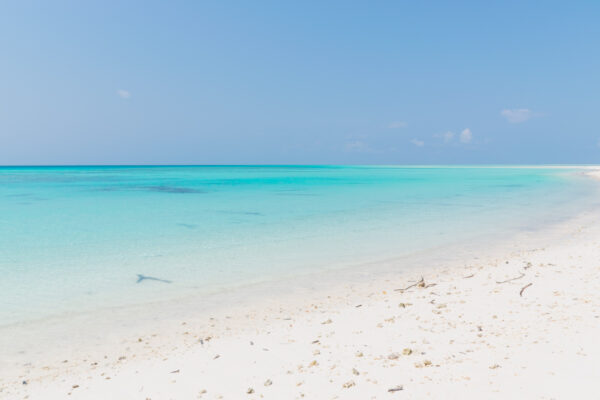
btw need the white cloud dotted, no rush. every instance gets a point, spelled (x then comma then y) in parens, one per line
(417, 142)
(517, 115)
(124, 94)
(447, 136)
(466, 136)
(397, 125)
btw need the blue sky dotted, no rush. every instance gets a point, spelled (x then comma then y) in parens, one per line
(339, 82)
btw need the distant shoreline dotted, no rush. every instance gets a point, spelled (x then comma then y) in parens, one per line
(558, 166)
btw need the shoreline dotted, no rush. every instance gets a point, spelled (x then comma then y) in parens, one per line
(290, 289)
(295, 316)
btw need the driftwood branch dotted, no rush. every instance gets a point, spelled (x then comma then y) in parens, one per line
(512, 279)
(420, 283)
(523, 289)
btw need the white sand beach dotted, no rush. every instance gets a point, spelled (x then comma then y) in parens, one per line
(522, 322)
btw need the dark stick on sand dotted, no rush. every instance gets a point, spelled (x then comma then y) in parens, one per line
(512, 279)
(523, 289)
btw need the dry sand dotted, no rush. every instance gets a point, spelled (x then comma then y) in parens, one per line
(521, 323)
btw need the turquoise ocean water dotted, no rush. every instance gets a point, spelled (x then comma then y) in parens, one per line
(73, 239)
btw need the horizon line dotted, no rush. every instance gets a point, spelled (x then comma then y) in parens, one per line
(298, 165)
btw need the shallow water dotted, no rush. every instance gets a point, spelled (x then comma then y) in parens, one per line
(76, 239)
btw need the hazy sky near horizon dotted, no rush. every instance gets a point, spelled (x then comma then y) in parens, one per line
(342, 82)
